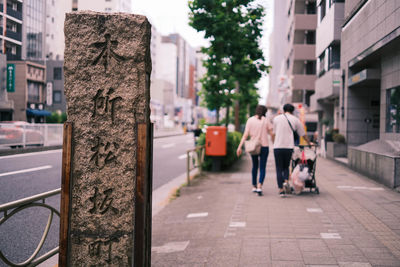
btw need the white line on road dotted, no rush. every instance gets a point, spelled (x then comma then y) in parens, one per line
(237, 224)
(168, 145)
(171, 247)
(27, 170)
(197, 215)
(312, 210)
(330, 236)
(183, 156)
(31, 154)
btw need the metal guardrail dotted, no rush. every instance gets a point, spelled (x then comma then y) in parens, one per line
(22, 134)
(195, 159)
(12, 208)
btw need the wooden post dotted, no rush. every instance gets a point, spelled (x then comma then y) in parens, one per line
(65, 193)
(143, 195)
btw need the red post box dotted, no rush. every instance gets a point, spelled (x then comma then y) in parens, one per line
(216, 141)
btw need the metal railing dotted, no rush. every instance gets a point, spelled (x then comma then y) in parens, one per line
(195, 159)
(27, 134)
(12, 208)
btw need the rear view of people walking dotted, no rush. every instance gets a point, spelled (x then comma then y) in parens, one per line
(285, 128)
(257, 127)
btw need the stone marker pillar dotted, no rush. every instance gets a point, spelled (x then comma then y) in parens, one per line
(107, 85)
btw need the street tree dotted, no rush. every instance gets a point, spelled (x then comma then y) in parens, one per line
(234, 29)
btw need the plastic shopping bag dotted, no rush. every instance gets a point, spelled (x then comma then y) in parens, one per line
(303, 173)
(298, 184)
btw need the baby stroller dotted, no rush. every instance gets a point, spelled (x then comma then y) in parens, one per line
(303, 168)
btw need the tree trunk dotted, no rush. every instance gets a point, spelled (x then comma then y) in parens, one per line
(227, 116)
(237, 122)
(217, 115)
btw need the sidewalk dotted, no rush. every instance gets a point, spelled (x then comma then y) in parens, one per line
(218, 221)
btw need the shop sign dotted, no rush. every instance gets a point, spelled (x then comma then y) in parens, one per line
(10, 78)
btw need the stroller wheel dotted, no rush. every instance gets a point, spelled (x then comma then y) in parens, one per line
(317, 190)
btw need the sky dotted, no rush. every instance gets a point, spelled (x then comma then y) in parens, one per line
(171, 16)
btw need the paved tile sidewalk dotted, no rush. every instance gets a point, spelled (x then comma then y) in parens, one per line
(219, 222)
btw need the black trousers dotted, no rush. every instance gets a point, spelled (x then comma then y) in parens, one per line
(282, 161)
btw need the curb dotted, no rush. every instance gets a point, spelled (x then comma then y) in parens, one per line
(168, 135)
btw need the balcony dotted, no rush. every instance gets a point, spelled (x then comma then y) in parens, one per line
(14, 13)
(303, 82)
(14, 35)
(1, 7)
(327, 86)
(330, 28)
(305, 22)
(1, 30)
(304, 51)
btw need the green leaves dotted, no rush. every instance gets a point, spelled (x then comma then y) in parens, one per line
(234, 28)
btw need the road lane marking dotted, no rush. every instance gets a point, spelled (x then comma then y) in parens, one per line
(31, 154)
(27, 170)
(314, 210)
(171, 247)
(197, 215)
(330, 236)
(237, 224)
(184, 156)
(168, 145)
(348, 187)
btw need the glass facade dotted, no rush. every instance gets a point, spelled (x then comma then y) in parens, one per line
(34, 23)
(393, 110)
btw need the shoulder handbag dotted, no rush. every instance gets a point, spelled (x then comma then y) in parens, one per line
(296, 137)
(253, 146)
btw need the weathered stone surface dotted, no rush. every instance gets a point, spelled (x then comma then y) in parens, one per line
(107, 72)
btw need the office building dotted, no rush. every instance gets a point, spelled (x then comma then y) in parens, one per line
(102, 5)
(33, 30)
(370, 95)
(325, 101)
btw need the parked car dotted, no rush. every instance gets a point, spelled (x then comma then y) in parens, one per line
(12, 134)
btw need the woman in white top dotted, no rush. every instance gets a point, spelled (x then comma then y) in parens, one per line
(257, 127)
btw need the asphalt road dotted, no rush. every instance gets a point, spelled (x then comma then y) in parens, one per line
(25, 175)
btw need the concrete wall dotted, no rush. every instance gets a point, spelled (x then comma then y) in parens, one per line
(325, 86)
(381, 168)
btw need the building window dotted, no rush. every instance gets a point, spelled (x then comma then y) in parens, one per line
(57, 97)
(107, 9)
(57, 73)
(310, 8)
(11, 49)
(310, 67)
(322, 10)
(393, 110)
(33, 92)
(310, 37)
(11, 26)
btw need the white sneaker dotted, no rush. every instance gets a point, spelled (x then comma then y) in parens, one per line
(259, 191)
(286, 188)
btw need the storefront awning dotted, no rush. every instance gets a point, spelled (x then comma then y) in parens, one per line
(38, 112)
